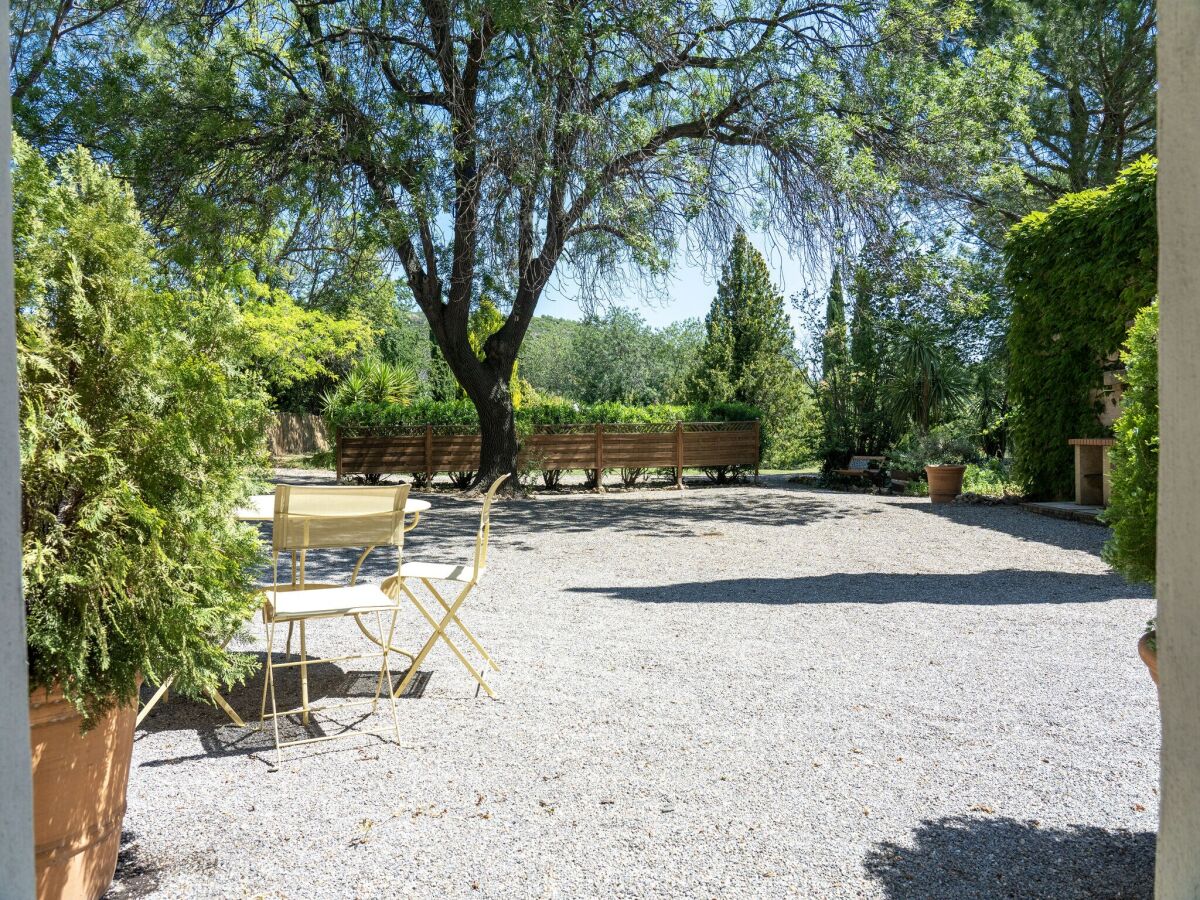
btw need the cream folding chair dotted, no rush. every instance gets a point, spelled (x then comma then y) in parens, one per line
(468, 576)
(329, 518)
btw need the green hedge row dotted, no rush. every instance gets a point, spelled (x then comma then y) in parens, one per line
(382, 418)
(1078, 273)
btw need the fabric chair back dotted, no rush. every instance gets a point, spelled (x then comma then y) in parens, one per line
(325, 518)
(485, 526)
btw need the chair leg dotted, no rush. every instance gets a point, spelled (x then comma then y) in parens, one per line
(461, 627)
(385, 673)
(303, 675)
(271, 681)
(440, 632)
(287, 652)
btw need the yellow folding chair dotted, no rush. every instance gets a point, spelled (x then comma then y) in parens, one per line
(468, 576)
(331, 518)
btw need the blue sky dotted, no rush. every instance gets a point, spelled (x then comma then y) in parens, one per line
(690, 289)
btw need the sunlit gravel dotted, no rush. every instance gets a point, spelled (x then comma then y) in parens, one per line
(755, 691)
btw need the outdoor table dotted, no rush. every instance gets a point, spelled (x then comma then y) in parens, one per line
(261, 508)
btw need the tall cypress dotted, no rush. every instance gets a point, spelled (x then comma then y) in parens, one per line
(833, 344)
(748, 355)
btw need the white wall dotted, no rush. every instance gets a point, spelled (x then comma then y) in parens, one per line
(16, 792)
(1178, 874)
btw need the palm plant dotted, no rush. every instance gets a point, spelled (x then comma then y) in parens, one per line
(374, 381)
(929, 382)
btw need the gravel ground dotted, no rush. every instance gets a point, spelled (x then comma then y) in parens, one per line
(749, 691)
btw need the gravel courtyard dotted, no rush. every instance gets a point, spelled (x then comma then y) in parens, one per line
(755, 691)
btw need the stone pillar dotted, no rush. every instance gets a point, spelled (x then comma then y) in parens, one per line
(1178, 863)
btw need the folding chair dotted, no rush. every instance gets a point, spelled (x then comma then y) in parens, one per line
(328, 518)
(468, 576)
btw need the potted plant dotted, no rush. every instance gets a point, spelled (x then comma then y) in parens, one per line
(944, 457)
(138, 424)
(1132, 510)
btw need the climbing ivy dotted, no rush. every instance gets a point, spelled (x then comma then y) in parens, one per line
(1078, 272)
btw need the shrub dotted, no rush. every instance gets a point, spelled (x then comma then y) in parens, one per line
(138, 425)
(945, 445)
(990, 478)
(1133, 505)
(1078, 274)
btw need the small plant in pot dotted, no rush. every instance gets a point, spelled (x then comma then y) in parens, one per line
(138, 426)
(944, 457)
(1133, 504)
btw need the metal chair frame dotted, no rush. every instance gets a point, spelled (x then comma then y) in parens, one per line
(450, 608)
(296, 532)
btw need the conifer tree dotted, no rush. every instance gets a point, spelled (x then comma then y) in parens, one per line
(748, 355)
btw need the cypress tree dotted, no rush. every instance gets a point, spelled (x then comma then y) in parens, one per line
(748, 355)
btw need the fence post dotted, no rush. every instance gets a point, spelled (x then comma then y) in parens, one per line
(679, 455)
(337, 455)
(600, 457)
(757, 447)
(428, 455)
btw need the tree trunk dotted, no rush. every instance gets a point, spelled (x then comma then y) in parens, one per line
(498, 433)
(488, 388)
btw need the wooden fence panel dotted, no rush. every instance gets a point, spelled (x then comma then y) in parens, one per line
(686, 445)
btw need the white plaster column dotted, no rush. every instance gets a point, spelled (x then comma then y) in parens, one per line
(16, 789)
(1178, 867)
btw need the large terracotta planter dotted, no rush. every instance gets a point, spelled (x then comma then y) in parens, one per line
(79, 783)
(1149, 655)
(945, 482)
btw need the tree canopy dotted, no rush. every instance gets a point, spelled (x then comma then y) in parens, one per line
(514, 139)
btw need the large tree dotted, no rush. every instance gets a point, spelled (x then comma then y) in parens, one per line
(517, 139)
(1092, 111)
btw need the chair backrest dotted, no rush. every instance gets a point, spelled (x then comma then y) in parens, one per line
(485, 525)
(323, 518)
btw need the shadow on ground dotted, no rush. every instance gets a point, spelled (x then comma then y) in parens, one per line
(994, 588)
(962, 857)
(1021, 524)
(327, 684)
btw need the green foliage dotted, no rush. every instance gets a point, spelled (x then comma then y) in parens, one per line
(749, 354)
(138, 426)
(616, 356)
(1091, 113)
(899, 364)
(944, 445)
(929, 383)
(374, 381)
(299, 351)
(1133, 506)
(991, 478)
(382, 418)
(1078, 273)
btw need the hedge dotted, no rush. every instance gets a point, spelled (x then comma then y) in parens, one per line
(1133, 507)
(1078, 273)
(379, 418)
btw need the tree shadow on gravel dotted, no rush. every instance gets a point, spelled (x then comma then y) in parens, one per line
(962, 857)
(994, 588)
(447, 531)
(1021, 524)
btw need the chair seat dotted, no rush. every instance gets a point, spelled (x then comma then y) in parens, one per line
(437, 571)
(326, 600)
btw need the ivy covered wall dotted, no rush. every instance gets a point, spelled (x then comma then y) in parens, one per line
(1078, 272)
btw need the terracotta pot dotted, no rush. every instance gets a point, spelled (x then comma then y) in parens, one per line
(1149, 655)
(945, 482)
(79, 783)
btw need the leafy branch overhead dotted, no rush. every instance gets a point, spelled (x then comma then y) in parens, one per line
(517, 140)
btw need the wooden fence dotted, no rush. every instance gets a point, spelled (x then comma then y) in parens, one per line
(684, 445)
